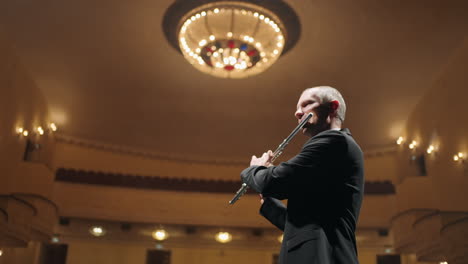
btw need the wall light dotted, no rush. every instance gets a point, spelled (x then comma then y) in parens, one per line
(460, 156)
(413, 144)
(55, 239)
(400, 140)
(1, 252)
(53, 127)
(40, 130)
(223, 237)
(160, 234)
(430, 149)
(97, 231)
(22, 132)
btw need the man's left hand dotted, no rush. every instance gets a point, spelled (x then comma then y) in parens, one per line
(264, 160)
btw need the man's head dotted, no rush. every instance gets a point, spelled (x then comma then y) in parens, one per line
(327, 105)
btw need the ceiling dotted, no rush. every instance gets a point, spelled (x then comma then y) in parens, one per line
(109, 74)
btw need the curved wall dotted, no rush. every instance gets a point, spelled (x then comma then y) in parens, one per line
(431, 194)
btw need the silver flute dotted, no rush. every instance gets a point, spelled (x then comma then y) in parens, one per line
(276, 154)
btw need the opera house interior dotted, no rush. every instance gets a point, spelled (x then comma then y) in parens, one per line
(125, 125)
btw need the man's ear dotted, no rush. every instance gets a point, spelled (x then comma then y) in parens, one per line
(334, 105)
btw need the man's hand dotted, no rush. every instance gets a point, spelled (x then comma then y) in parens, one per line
(264, 160)
(261, 199)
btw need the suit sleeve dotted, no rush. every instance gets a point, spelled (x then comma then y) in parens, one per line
(274, 211)
(276, 181)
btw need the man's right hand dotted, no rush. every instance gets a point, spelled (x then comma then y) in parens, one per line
(261, 199)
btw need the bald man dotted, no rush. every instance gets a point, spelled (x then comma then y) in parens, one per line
(324, 185)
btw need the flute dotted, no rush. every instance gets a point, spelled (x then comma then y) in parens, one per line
(276, 154)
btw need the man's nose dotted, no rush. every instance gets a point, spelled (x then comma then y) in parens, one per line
(299, 114)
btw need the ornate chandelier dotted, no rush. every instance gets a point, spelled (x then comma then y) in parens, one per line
(231, 39)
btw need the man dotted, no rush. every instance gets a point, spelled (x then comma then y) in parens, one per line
(323, 184)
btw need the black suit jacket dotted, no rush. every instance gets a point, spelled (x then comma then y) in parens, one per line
(324, 185)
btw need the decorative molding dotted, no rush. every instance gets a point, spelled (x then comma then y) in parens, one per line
(143, 153)
(4, 213)
(36, 196)
(26, 203)
(455, 222)
(425, 211)
(126, 150)
(179, 184)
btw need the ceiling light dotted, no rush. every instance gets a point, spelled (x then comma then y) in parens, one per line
(97, 231)
(160, 234)
(223, 237)
(230, 25)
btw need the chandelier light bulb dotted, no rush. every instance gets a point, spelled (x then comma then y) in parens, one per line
(25, 133)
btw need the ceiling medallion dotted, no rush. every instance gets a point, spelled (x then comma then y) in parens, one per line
(231, 39)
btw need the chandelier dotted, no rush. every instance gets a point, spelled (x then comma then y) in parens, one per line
(231, 39)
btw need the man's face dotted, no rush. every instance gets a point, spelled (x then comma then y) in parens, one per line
(309, 102)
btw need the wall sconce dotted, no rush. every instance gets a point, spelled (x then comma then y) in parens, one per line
(400, 140)
(223, 237)
(413, 144)
(160, 234)
(53, 127)
(431, 149)
(22, 132)
(459, 157)
(55, 239)
(97, 231)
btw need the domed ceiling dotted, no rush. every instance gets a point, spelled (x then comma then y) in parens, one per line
(110, 75)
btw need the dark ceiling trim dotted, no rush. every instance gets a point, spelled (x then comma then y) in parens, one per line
(179, 184)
